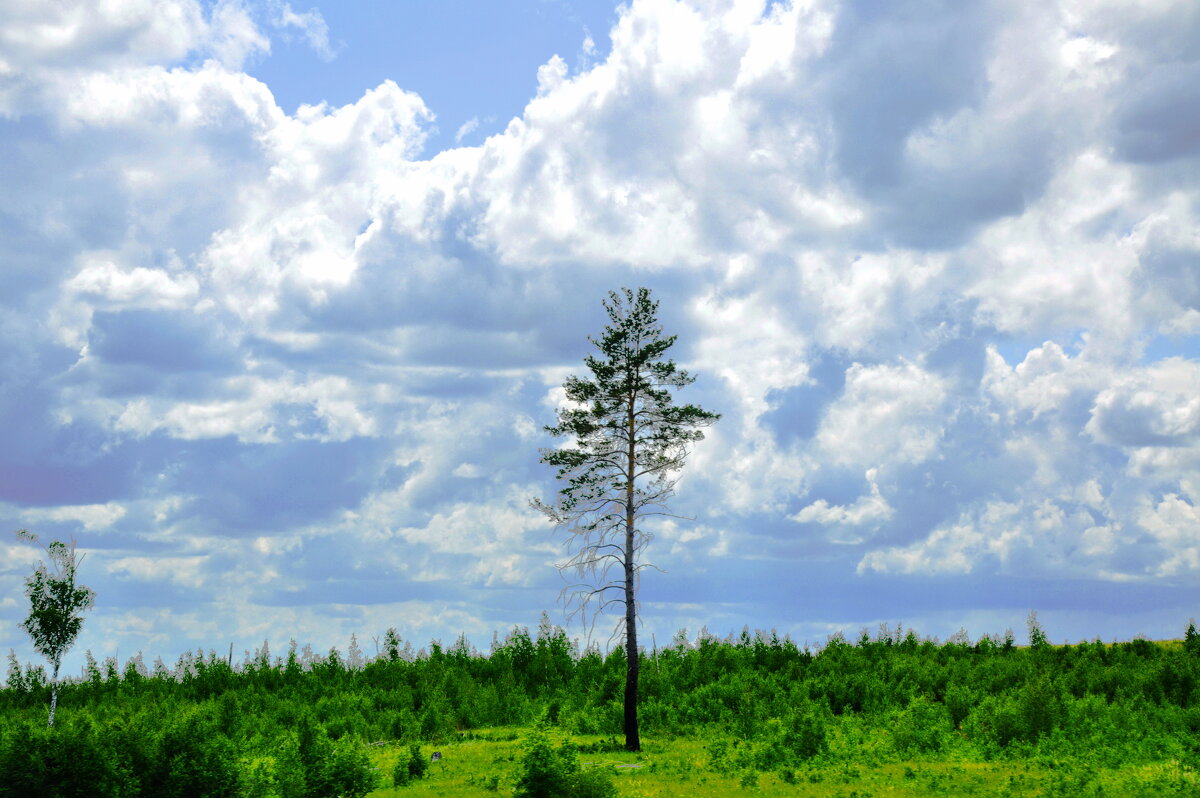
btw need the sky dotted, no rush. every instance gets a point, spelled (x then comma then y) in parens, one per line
(290, 292)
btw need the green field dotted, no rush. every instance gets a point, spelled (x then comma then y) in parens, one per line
(889, 714)
(682, 767)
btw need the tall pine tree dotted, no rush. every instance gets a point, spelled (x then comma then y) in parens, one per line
(625, 439)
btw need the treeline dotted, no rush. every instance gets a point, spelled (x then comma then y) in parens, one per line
(286, 725)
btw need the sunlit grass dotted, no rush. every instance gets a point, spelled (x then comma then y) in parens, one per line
(485, 763)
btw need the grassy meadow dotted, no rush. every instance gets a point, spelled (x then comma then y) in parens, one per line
(484, 765)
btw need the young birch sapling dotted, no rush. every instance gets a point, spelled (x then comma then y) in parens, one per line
(55, 606)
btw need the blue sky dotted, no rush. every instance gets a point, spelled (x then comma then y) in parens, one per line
(290, 291)
(473, 63)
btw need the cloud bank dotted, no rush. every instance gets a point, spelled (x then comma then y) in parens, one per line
(937, 265)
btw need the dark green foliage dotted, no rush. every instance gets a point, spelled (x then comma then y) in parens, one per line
(414, 767)
(803, 732)
(16, 680)
(1040, 705)
(921, 728)
(629, 387)
(66, 760)
(192, 758)
(549, 772)
(290, 781)
(331, 770)
(778, 744)
(959, 698)
(593, 783)
(996, 721)
(1037, 636)
(294, 728)
(347, 771)
(391, 645)
(1191, 639)
(545, 771)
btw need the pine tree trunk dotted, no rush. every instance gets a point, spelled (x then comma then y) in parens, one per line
(53, 694)
(633, 741)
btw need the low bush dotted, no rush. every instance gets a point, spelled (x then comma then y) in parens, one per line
(920, 728)
(195, 759)
(414, 767)
(996, 722)
(310, 765)
(548, 772)
(66, 760)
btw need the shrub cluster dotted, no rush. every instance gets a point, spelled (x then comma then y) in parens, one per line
(295, 725)
(410, 769)
(186, 756)
(549, 772)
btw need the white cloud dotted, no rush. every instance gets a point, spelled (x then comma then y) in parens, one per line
(87, 33)
(1175, 523)
(1043, 381)
(852, 221)
(467, 471)
(300, 229)
(312, 25)
(93, 517)
(887, 414)
(869, 509)
(466, 129)
(994, 531)
(152, 98)
(187, 572)
(233, 37)
(256, 414)
(138, 287)
(1155, 406)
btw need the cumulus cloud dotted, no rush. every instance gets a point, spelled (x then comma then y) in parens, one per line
(1155, 406)
(1028, 535)
(925, 246)
(871, 508)
(104, 280)
(887, 413)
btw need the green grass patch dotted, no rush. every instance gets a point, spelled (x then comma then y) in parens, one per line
(486, 763)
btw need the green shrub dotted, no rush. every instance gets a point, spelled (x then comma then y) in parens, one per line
(1041, 707)
(196, 761)
(346, 771)
(1087, 719)
(547, 772)
(414, 767)
(920, 728)
(289, 769)
(1191, 639)
(544, 771)
(995, 722)
(418, 765)
(315, 767)
(723, 755)
(804, 731)
(960, 700)
(437, 722)
(66, 760)
(258, 780)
